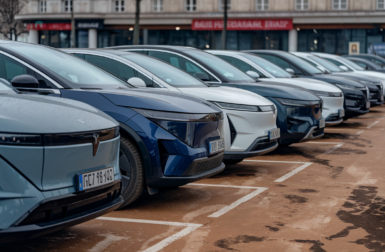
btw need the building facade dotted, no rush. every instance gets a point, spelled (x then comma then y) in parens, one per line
(290, 25)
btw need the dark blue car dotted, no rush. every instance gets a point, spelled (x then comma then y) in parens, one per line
(167, 139)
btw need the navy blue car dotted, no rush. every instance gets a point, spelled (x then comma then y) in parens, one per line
(167, 139)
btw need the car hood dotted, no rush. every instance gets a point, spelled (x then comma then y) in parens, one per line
(332, 79)
(228, 95)
(147, 98)
(35, 114)
(306, 83)
(278, 90)
(369, 74)
(360, 77)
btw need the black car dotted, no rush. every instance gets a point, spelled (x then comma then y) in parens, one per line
(367, 64)
(356, 94)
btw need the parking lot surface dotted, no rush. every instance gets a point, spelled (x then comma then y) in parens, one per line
(324, 195)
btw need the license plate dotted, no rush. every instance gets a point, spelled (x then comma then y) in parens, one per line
(217, 146)
(382, 97)
(322, 123)
(95, 178)
(341, 112)
(274, 134)
(368, 104)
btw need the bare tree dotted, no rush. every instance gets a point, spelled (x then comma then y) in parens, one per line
(10, 27)
(136, 28)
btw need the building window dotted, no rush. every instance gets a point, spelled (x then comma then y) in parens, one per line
(222, 4)
(191, 5)
(340, 4)
(158, 5)
(119, 6)
(380, 4)
(43, 6)
(262, 5)
(301, 4)
(67, 6)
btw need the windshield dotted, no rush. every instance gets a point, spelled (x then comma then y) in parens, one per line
(326, 64)
(73, 71)
(226, 70)
(268, 66)
(350, 64)
(168, 73)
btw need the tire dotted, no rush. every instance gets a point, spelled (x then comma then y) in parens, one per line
(131, 169)
(232, 161)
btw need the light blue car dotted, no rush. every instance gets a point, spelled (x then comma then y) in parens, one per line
(58, 164)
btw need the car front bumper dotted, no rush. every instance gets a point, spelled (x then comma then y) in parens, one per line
(54, 214)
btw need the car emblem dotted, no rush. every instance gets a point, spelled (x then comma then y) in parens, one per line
(95, 144)
(80, 120)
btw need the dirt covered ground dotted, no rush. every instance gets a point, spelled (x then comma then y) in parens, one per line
(324, 195)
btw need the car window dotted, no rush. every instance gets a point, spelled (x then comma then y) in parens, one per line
(241, 65)
(169, 74)
(66, 68)
(117, 68)
(224, 69)
(181, 63)
(326, 64)
(10, 68)
(361, 64)
(337, 63)
(281, 63)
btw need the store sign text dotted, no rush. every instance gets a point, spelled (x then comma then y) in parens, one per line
(242, 24)
(49, 26)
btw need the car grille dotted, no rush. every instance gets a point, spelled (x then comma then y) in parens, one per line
(60, 208)
(204, 165)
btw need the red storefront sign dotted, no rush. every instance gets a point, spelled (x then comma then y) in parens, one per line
(242, 24)
(49, 27)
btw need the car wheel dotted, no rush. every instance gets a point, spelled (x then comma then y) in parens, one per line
(232, 161)
(131, 169)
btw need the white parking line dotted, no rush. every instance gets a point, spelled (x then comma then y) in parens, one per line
(164, 243)
(360, 132)
(268, 161)
(293, 172)
(371, 125)
(238, 202)
(338, 145)
(324, 142)
(230, 186)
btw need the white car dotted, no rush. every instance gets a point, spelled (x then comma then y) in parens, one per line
(250, 119)
(351, 67)
(332, 97)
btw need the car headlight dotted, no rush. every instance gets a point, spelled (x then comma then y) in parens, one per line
(20, 139)
(298, 103)
(347, 87)
(326, 94)
(180, 125)
(252, 108)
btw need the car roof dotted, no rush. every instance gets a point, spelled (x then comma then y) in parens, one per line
(168, 47)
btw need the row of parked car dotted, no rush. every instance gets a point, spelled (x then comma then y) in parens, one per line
(86, 131)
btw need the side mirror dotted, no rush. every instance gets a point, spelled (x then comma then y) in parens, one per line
(322, 69)
(290, 71)
(344, 68)
(253, 74)
(25, 81)
(137, 82)
(202, 76)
